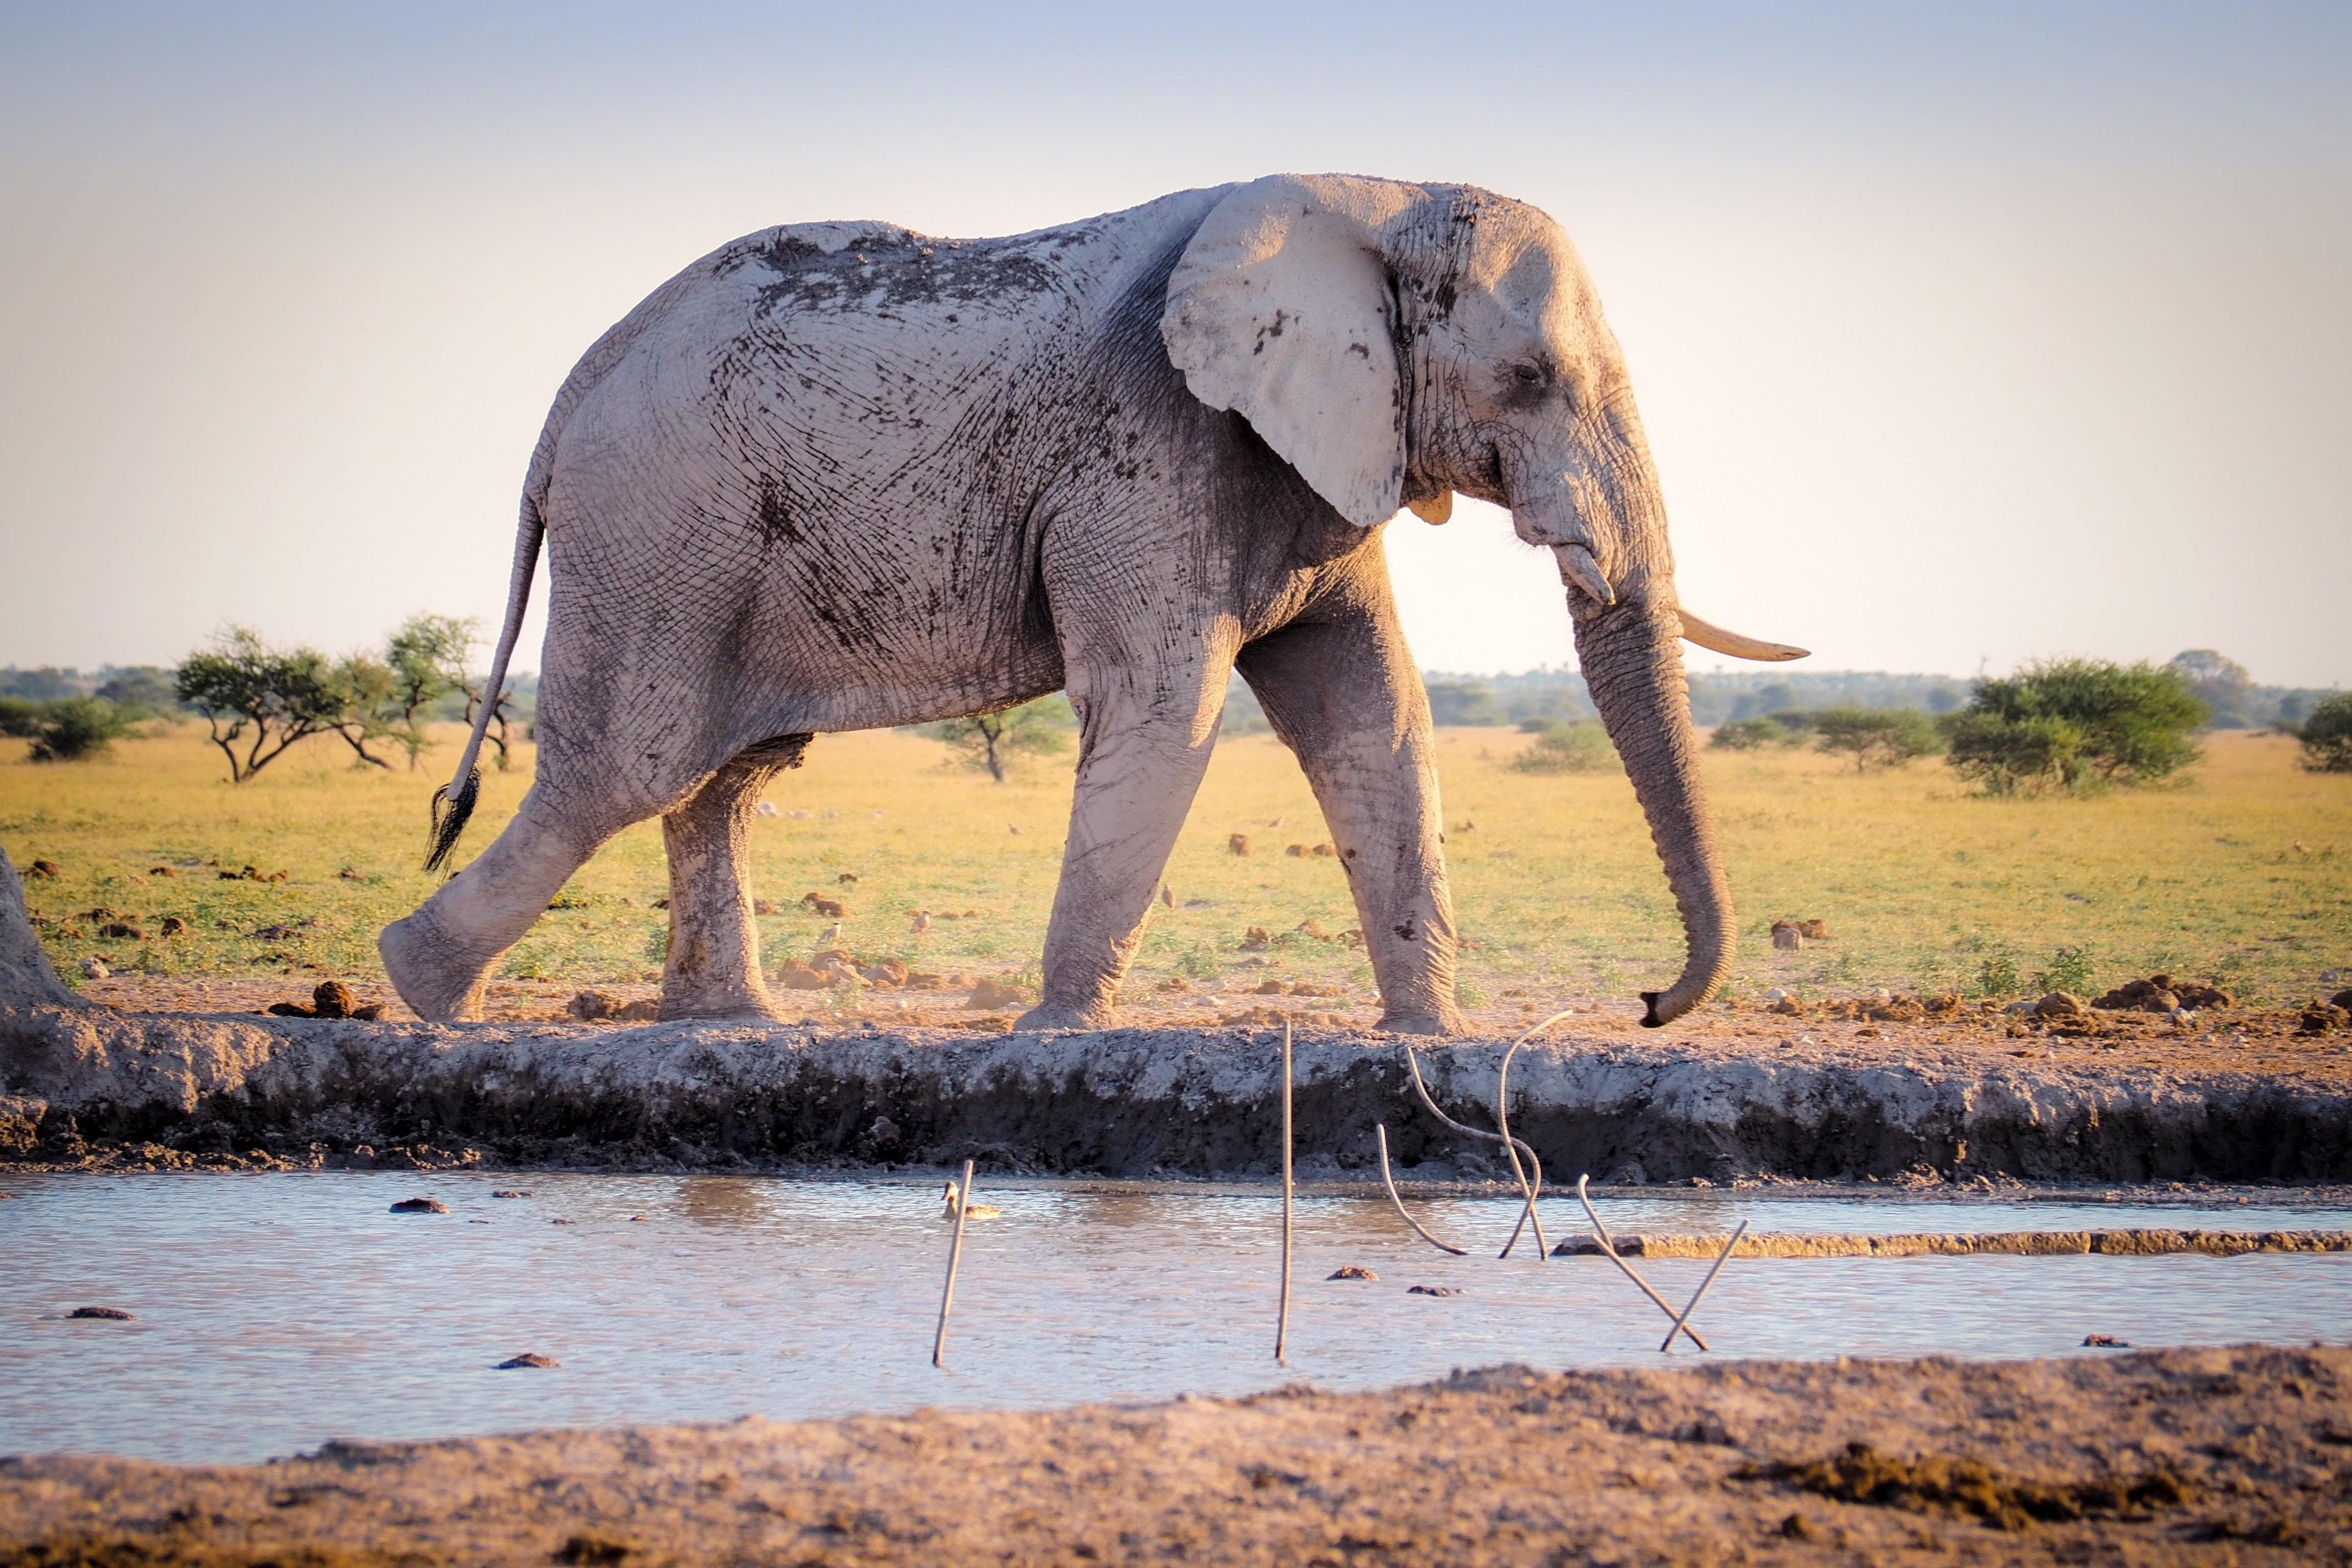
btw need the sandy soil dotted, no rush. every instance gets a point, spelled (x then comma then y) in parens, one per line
(2208, 1457)
(2263, 1040)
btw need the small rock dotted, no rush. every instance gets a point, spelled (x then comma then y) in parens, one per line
(529, 1358)
(764, 808)
(2059, 1004)
(1433, 1291)
(991, 993)
(2105, 1342)
(95, 969)
(2020, 1006)
(111, 1314)
(420, 1206)
(1352, 1272)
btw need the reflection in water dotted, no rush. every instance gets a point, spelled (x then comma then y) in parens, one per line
(275, 1312)
(722, 1200)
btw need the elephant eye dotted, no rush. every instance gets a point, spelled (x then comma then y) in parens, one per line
(1528, 375)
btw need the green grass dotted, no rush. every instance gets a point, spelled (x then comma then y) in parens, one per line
(2238, 871)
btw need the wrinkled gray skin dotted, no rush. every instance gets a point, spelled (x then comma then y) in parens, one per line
(839, 477)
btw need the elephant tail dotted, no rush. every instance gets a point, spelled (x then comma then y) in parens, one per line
(453, 802)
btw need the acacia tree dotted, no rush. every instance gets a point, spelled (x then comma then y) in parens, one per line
(368, 688)
(427, 658)
(242, 688)
(992, 741)
(1883, 737)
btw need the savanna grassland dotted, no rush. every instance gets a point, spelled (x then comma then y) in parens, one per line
(2240, 871)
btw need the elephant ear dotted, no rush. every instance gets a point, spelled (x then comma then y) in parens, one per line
(1280, 309)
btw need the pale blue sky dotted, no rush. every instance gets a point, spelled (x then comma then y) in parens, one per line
(1962, 334)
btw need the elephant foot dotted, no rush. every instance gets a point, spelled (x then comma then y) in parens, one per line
(1063, 1015)
(440, 983)
(733, 1006)
(1435, 1021)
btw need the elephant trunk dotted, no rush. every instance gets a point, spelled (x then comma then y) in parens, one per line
(1632, 655)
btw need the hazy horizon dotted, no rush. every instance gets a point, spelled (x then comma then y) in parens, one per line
(1962, 337)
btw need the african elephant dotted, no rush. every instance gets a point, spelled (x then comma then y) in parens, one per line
(844, 475)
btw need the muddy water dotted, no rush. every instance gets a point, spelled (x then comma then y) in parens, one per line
(275, 1312)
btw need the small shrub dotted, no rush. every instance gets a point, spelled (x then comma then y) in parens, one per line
(77, 728)
(2326, 736)
(2069, 970)
(22, 716)
(1877, 737)
(1996, 974)
(1559, 748)
(1752, 733)
(2075, 723)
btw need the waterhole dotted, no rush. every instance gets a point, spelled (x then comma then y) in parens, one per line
(272, 1312)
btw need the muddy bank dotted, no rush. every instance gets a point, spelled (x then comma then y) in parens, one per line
(1705, 1101)
(1138, 1103)
(2170, 1457)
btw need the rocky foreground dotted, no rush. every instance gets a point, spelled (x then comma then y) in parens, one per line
(2207, 1457)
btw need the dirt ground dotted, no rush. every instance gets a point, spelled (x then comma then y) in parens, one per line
(2276, 1040)
(2199, 1455)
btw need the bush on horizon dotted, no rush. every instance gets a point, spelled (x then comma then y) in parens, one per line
(2326, 736)
(2070, 725)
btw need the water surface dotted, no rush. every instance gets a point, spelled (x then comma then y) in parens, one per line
(277, 1311)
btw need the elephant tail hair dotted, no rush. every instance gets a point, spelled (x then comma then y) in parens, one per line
(452, 805)
(453, 802)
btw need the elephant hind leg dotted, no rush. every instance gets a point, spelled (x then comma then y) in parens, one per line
(438, 957)
(713, 968)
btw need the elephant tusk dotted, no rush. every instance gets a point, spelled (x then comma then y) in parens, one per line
(1715, 640)
(1436, 509)
(1577, 569)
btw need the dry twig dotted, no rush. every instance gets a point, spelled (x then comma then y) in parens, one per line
(1390, 1182)
(1528, 1192)
(1412, 1064)
(1718, 1268)
(1608, 1249)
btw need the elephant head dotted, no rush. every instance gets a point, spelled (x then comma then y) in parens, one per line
(1397, 343)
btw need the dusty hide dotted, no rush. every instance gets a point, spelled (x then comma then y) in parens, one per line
(1123, 1102)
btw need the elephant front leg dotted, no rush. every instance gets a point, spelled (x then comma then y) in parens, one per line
(1343, 695)
(1144, 741)
(713, 968)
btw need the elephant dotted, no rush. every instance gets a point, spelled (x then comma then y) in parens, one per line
(844, 475)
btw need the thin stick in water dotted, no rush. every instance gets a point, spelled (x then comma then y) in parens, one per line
(955, 1255)
(1609, 1248)
(1412, 1063)
(1386, 1180)
(1528, 1192)
(1282, 1322)
(1703, 1284)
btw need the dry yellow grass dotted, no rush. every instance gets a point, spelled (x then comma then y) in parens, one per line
(2238, 873)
